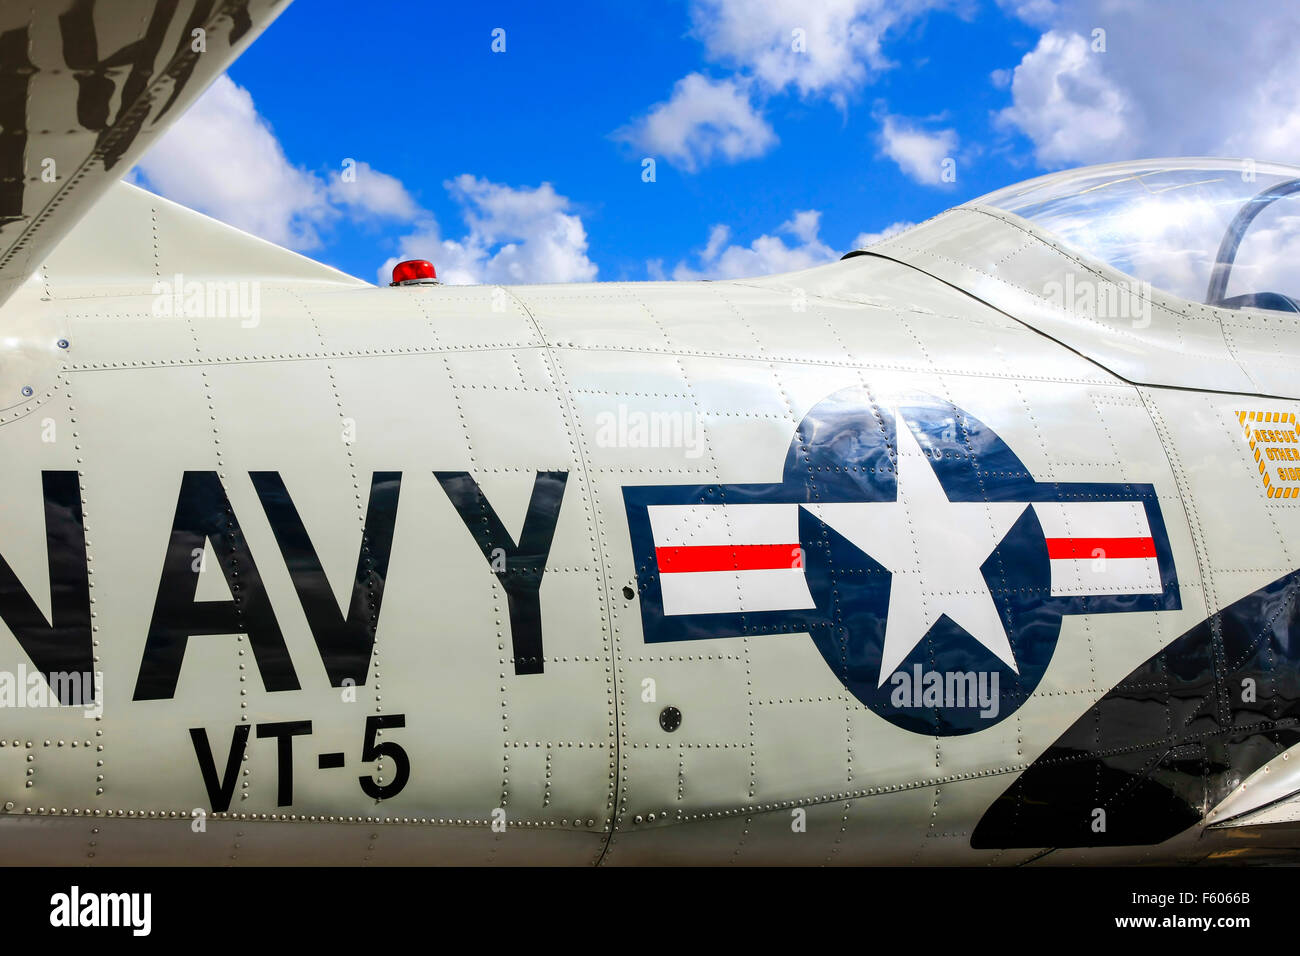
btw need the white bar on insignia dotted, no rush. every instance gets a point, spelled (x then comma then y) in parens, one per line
(1083, 577)
(1093, 519)
(681, 526)
(717, 592)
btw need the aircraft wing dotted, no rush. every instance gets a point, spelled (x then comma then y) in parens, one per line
(85, 87)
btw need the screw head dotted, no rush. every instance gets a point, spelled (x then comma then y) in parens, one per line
(62, 343)
(27, 391)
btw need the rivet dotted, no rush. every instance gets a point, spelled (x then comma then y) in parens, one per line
(27, 391)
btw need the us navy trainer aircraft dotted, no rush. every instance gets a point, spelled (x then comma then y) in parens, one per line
(981, 545)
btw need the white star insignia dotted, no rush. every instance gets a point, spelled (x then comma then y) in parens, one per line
(933, 549)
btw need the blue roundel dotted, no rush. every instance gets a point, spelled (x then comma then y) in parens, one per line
(930, 569)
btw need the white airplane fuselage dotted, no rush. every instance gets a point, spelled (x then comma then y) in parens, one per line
(806, 569)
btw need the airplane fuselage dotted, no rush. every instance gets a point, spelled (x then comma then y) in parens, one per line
(707, 572)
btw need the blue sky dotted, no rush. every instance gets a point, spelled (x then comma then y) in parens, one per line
(783, 133)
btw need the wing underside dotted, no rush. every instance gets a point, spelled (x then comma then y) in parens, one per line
(85, 87)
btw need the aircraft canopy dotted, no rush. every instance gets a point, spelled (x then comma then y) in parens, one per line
(1218, 231)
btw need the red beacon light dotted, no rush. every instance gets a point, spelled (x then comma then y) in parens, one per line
(414, 272)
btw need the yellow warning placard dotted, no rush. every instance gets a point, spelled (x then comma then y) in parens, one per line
(1273, 441)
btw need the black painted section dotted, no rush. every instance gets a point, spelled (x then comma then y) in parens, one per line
(284, 731)
(203, 512)
(1169, 741)
(221, 790)
(97, 75)
(670, 718)
(345, 643)
(62, 645)
(185, 64)
(519, 567)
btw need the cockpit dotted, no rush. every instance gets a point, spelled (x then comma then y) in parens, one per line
(1220, 232)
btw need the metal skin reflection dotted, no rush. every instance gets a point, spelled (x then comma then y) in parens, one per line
(1171, 739)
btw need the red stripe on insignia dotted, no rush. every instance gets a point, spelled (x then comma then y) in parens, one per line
(1109, 547)
(728, 557)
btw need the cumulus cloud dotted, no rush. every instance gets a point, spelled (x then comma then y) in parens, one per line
(831, 46)
(368, 193)
(1036, 12)
(765, 255)
(1064, 101)
(1268, 253)
(701, 121)
(515, 235)
(918, 153)
(865, 239)
(222, 158)
(1159, 86)
(828, 48)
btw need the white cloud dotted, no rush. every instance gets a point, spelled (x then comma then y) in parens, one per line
(1267, 257)
(367, 192)
(827, 46)
(765, 255)
(1064, 101)
(1037, 12)
(222, 158)
(918, 153)
(702, 121)
(865, 239)
(515, 235)
(824, 48)
(1165, 84)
